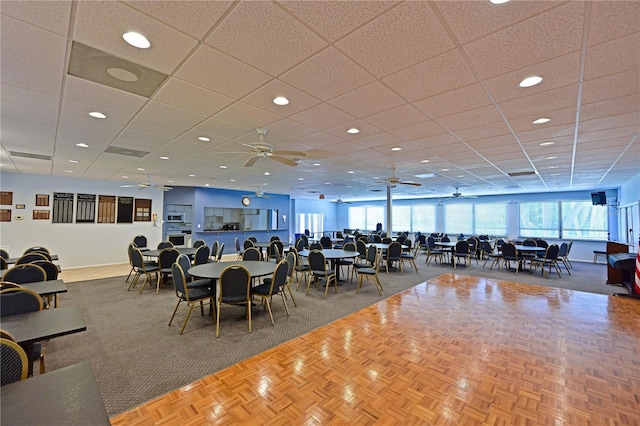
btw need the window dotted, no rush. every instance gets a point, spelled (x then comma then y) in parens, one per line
(423, 218)
(314, 222)
(458, 219)
(375, 215)
(401, 218)
(539, 219)
(365, 218)
(490, 219)
(581, 219)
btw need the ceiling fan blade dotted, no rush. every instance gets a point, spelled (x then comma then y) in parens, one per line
(253, 148)
(251, 161)
(128, 186)
(411, 183)
(284, 160)
(293, 153)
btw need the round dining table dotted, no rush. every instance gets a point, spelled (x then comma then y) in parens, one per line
(213, 270)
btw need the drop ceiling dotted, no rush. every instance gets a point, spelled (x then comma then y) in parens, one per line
(439, 80)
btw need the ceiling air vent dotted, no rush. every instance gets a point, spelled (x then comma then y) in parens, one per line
(28, 155)
(525, 173)
(126, 151)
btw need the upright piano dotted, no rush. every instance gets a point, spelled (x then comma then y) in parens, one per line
(621, 266)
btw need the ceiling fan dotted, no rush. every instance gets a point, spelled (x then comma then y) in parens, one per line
(394, 180)
(341, 201)
(458, 194)
(259, 193)
(261, 149)
(148, 184)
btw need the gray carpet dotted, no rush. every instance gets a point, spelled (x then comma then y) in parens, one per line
(135, 356)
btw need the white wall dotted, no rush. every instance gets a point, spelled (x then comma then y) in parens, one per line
(77, 245)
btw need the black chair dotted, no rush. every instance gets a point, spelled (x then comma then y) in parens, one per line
(253, 239)
(31, 257)
(251, 253)
(318, 268)
(234, 289)
(199, 243)
(238, 249)
(141, 242)
(550, 259)
(214, 249)
(490, 255)
(387, 240)
(461, 251)
(370, 272)
(202, 255)
(166, 258)
(275, 285)
(164, 245)
(315, 246)
(541, 243)
(510, 254)
(299, 245)
(300, 267)
(347, 262)
(219, 254)
(192, 296)
(247, 243)
(275, 251)
(13, 362)
(26, 273)
(18, 300)
(36, 249)
(185, 263)
(274, 238)
(4, 254)
(326, 242)
(394, 254)
(149, 263)
(407, 255)
(141, 268)
(524, 255)
(433, 252)
(3, 263)
(562, 256)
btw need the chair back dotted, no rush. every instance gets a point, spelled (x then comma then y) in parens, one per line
(31, 257)
(306, 232)
(542, 243)
(199, 243)
(299, 245)
(136, 258)
(445, 239)
(315, 246)
(8, 284)
(292, 261)
(236, 242)
(167, 257)
(234, 284)
(372, 252)
(305, 238)
(214, 248)
(486, 247)
(349, 246)
(276, 249)
(387, 240)
(326, 242)
(279, 277)
(50, 269)
(361, 248)
(27, 273)
(140, 241)
(529, 242)
(19, 300)
(253, 239)
(4, 254)
(3, 263)
(552, 252)
(431, 242)
(401, 239)
(13, 362)
(364, 239)
(185, 263)
(317, 261)
(274, 238)
(220, 251)
(164, 245)
(563, 250)
(509, 251)
(36, 248)
(462, 247)
(179, 281)
(202, 255)
(375, 238)
(394, 251)
(247, 244)
(251, 253)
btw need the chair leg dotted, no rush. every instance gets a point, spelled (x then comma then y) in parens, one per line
(174, 312)
(146, 277)
(134, 281)
(284, 301)
(129, 276)
(288, 287)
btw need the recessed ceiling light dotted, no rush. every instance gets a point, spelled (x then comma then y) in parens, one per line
(192, 175)
(125, 177)
(281, 100)
(206, 184)
(552, 167)
(424, 175)
(232, 180)
(530, 81)
(73, 161)
(170, 181)
(547, 143)
(97, 114)
(554, 174)
(327, 183)
(164, 158)
(223, 167)
(316, 164)
(136, 40)
(351, 171)
(204, 139)
(460, 176)
(68, 171)
(267, 174)
(300, 178)
(445, 170)
(265, 183)
(424, 161)
(541, 120)
(396, 148)
(82, 145)
(353, 131)
(551, 157)
(140, 169)
(499, 1)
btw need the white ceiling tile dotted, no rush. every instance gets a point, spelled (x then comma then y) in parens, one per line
(440, 74)
(222, 128)
(558, 32)
(263, 98)
(247, 115)
(323, 116)
(417, 131)
(49, 15)
(30, 76)
(216, 71)
(611, 107)
(275, 43)
(102, 24)
(33, 45)
(195, 18)
(406, 35)
(102, 98)
(367, 100)
(612, 19)
(169, 114)
(394, 118)
(25, 99)
(190, 97)
(457, 100)
(327, 74)
(468, 119)
(621, 54)
(611, 86)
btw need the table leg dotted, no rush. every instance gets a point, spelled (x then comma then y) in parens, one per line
(28, 349)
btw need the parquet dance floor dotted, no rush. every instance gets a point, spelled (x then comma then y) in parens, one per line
(455, 350)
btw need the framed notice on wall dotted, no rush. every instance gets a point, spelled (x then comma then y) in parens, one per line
(106, 209)
(143, 210)
(86, 208)
(125, 209)
(62, 207)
